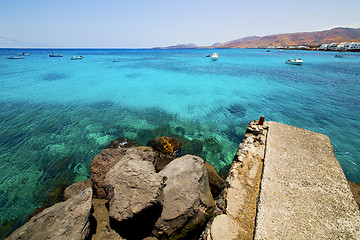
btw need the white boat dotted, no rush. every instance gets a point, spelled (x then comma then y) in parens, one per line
(15, 57)
(76, 58)
(214, 56)
(24, 54)
(296, 61)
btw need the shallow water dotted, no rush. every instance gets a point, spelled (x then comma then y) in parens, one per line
(57, 114)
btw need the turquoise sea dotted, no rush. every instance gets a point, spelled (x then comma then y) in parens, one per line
(57, 114)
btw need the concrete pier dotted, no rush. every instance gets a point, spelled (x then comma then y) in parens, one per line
(303, 192)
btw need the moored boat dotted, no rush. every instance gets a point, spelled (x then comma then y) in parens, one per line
(214, 56)
(24, 54)
(339, 56)
(76, 58)
(15, 57)
(296, 61)
(55, 55)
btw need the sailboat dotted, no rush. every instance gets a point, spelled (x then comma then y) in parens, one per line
(54, 55)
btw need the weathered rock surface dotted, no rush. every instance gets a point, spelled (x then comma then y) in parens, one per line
(215, 181)
(135, 194)
(64, 220)
(166, 145)
(76, 188)
(188, 202)
(104, 161)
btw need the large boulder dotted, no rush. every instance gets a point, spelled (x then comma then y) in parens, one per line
(64, 220)
(188, 202)
(135, 194)
(104, 161)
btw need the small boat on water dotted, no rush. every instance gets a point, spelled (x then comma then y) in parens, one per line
(76, 58)
(24, 54)
(339, 56)
(214, 56)
(15, 57)
(55, 55)
(296, 61)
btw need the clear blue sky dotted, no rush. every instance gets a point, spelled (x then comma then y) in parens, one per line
(152, 23)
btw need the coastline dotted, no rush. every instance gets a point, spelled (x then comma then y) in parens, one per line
(48, 128)
(242, 219)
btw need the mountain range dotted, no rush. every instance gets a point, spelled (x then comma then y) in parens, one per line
(339, 34)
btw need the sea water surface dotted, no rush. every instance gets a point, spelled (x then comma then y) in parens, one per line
(57, 114)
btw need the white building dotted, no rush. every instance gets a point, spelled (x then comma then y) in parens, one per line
(341, 46)
(332, 46)
(323, 46)
(352, 46)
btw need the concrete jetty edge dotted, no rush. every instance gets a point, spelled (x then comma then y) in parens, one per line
(303, 192)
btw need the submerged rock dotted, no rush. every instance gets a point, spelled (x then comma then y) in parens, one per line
(135, 194)
(122, 143)
(188, 202)
(64, 220)
(104, 161)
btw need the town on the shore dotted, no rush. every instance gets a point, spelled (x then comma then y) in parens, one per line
(343, 46)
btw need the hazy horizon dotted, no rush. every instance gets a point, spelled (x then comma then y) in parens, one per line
(160, 23)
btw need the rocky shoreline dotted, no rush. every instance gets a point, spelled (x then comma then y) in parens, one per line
(151, 192)
(135, 192)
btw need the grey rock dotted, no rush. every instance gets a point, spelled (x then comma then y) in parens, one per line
(104, 161)
(64, 220)
(188, 202)
(76, 188)
(135, 194)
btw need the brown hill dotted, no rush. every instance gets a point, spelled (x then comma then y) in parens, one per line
(296, 39)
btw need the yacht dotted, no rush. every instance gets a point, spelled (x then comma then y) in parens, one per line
(296, 61)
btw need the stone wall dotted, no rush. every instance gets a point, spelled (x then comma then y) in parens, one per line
(235, 213)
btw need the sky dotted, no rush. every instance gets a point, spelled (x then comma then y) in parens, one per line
(161, 23)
